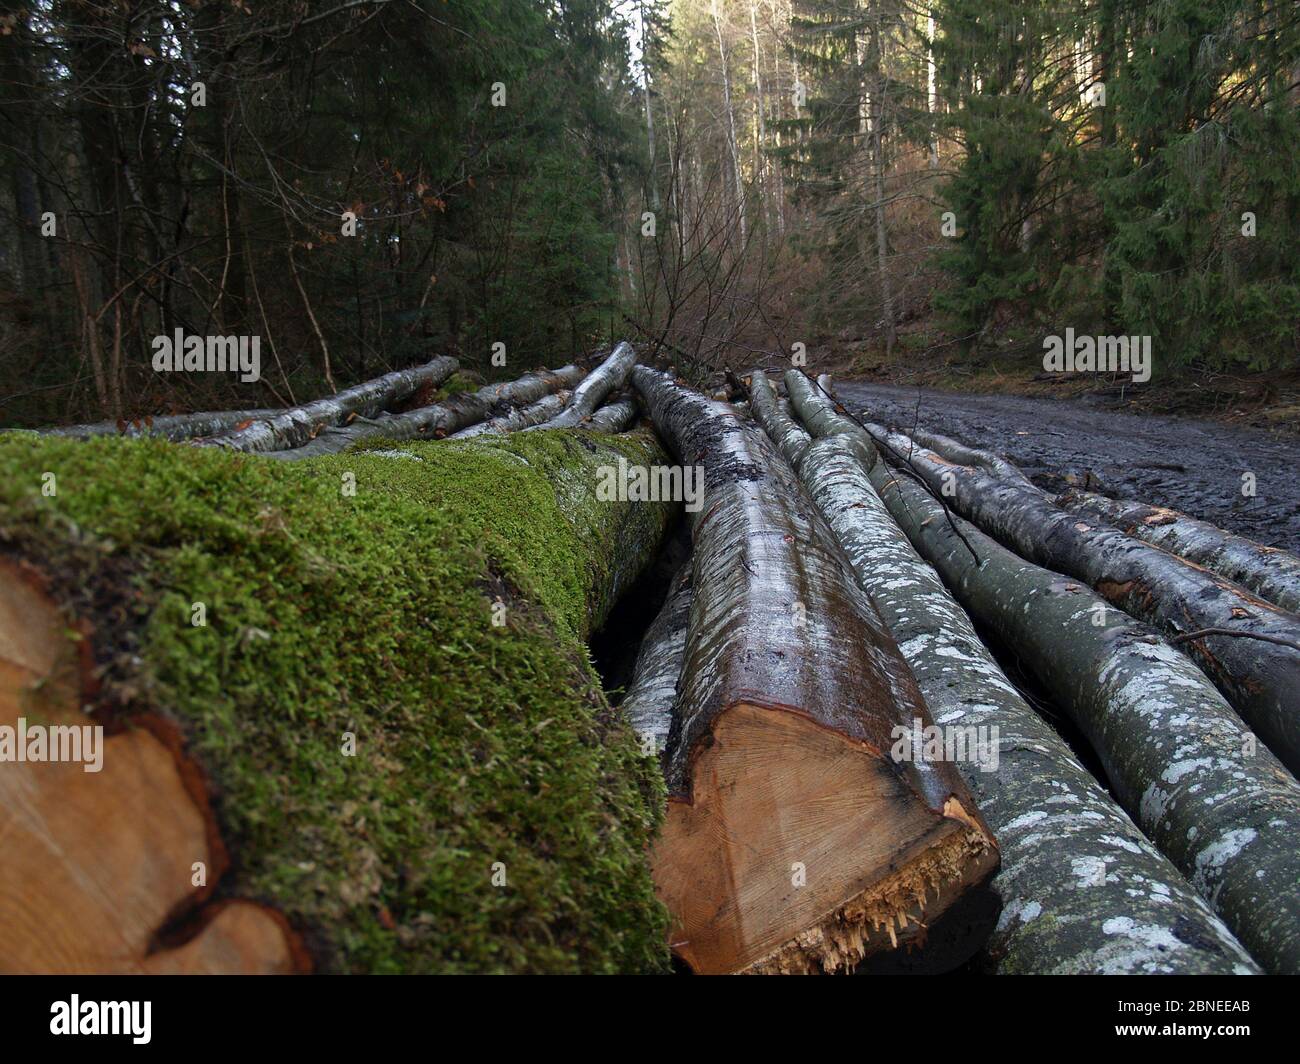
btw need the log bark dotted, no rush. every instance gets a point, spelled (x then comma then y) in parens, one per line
(1272, 574)
(618, 416)
(462, 581)
(651, 699)
(442, 419)
(299, 424)
(534, 414)
(608, 377)
(792, 841)
(174, 427)
(775, 420)
(1259, 677)
(1054, 822)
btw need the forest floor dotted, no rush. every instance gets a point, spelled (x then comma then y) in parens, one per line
(1191, 464)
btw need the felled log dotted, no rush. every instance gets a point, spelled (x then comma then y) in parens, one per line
(792, 841)
(1083, 889)
(958, 452)
(348, 708)
(617, 416)
(441, 419)
(174, 427)
(1272, 574)
(609, 376)
(1245, 645)
(533, 414)
(295, 426)
(652, 695)
(789, 438)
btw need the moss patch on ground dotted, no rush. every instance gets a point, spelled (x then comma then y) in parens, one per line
(477, 744)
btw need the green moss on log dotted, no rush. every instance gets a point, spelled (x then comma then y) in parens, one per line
(372, 614)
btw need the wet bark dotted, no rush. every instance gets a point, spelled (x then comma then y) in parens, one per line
(1083, 889)
(775, 419)
(534, 414)
(1260, 678)
(1272, 574)
(784, 646)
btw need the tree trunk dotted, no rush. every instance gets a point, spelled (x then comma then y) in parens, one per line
(534, 414)
(1055, 824)
(651, 699)
(434, 422)
(618, 416)
(174, 427)
(297, 425)
(789, 694)
(609, 376)
(1273, 574)
(733, 145)
(494, 813)
(1259, 677)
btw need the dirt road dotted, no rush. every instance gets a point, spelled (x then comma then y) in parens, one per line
(1193, 466)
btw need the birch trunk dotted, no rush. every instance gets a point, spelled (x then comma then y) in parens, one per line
(1273, 574)
(434, 422)
(609, 376)
(297, 425)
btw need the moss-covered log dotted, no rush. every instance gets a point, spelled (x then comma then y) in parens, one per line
(1247, 646)
(792, 841)
(608, 377)
(1272, 574)
(1055, 824)
(295, 426)
(441, 419)
(363, 678)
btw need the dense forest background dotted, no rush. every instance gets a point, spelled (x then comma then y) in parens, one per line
(362, 183)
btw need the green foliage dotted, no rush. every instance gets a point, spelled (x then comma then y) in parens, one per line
(1128, 217)
(373, 615)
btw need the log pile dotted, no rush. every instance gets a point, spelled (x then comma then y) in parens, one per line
(1143, 706)
(418, 576)
(789, 690)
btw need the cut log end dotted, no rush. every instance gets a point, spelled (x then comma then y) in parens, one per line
(802, 850)
(106, 871)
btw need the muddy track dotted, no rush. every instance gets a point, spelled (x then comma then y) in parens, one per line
(1193, 466)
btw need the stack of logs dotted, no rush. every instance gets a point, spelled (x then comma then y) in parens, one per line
(839, 576)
